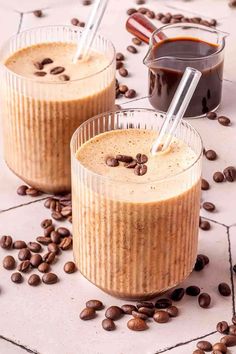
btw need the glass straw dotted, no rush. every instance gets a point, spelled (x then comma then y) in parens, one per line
(88, 35)
(177, 109)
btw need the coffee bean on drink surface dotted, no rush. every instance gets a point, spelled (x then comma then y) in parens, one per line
(161, 316)
(44, 267)
(66, 243)
(6, 242)
(131, 11)
(230, 173)
(50, 278)
(204, 345)
(124, 158)
(193, 290)
(44, 240)
(57, 70)
(204, 300)
(208, 206)
(220, 347)
(39, 74)
(204, 185)
(224, 289)
(21, 190)
(211, 115)
(127, 309)
(136, 41)
(140, 170)
(34, 280)
(172, 311)
(24, 266)
(108, 324)
(9, 262)
(130, 93)
(141, 158)
(34, 247)
(132, 164)
(211, 155)
(69, 268)
(114, 313)
(36, 260)
(222, 327)
(224, 121)
(87, 314)
(229, 340)
(137, 314)
(47, 61)
(49, 257)
(163, 303)
(137, 324)
(38, 65)
(232, 330)
(112, 162)
(177, 294)
(32, 191)
(146, 311)
(205, 225)
(24, 254)
(16, 278)
(64, 77)
(132, 49)
(123, 72)
(38, 13)
(218, 177)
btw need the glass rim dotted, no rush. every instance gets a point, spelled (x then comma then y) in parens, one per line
(135, 110)
(35, 80)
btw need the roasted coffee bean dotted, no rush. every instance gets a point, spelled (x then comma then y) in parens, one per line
(132, 164)
(177, 294)
(123, 89)
(24, 254)
(55, 237)
(232, 3)
(222, 327)
(38, 65)
(200, 264)
(131, 11)
(221, 347)
(136, 41)
(205, 225)
(24, 266)
(224, 121)
(48, 230)
(47, 61)
(213, 22)
(204, 345)
(22, 190)
(140, 2)
(44, 240)
(108, 324)
(64, 77)
(146, 311)
(229, 341)
(50, 278)
(19, 244)
(234, 319)
(211, 155)
(232, 330)
(193, 290)
(16, 278)
(161, 316)
(224, 289)
(32, 191)
(48, 202)
(66, 211)
(9, 262)
(53, 247)
(44, 267)
(198, 351)
(165, 20)
(143, 10)
(74, 21)
(140, 170)
(141, 158)
(137, 314)
(69, 268)
(163, 303)
(124, 158)
(87, 2)
(211, 115)
(82, 24)
(36, 260)
(120, 56)
(204, 300)
(123, 72)
(172, 311)
(34, 280)
(39, 74)
(38, 13)
(205, 258)
(112, 162)
(56, 215)
(34, 247)
(230, 173)
(130, 93)
(127, 309)
(94, 304)
(159, 16)
(218, 177)
(204, 185)
(148, 304)
(119, 64)
(137, 324)
(69, 218)
(46, 223)
(150, 14)
(6, 242)
(208, 206)
(66, 243)
(49, 257)
(87, 314)
(114, 313)
(63, 231)
(57, 70)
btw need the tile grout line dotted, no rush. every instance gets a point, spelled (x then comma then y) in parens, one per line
(231, 271)
(22, 205)
(20, 23)
(19, 345)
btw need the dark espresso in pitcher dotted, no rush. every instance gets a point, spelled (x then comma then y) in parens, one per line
(165, 74)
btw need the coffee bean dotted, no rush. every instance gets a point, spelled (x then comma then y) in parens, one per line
(213, 22)
(49, 257)
(48, 230)
(204, 300)
(205, 258)
(44, 267)
(44, 240)
(38, 13)
(222, 327)
(224, 289)
(193, 290)
(146, 311)
(55, 237)
(69, 268)
(57, 70)
(200, 264)
(234, 319)
(127, 309)
(32, 191)
(150, 14)
(172, 311)
(36, 260)
(159, 16)
(137, 314)
(218, 177)
(232, 3)
(66, 211)
(24, 266)
(137, 324)
(204, 345)
(82, 24)
(56, 215)
(95, 304)
(204, 185)
(9, 262)
(38, 65)
(66, 243)
(63, 231)
(74, 21)
(232, 330)
(34, 247)
(22, 190)
(211, 115)
(48, 202)
(123, 72)
(16, 278)
(131, 11)
(39, 74)
(123, 89)
(132, 164)
(64, 77)
(161, 316)
(198, 351)
(47, 61)
(229, 341)
(143, 10)
(177, 294)
(211, 155)
(205, 225)
(120, 56)
(87, 314)
(50, 278)
(141, 158)
(165, 20)
(34, 280)
(24, 254)
(140, 2)
(130, 93)
(224, 121)
(163, 303)
(140, 170)
(220, 347)
(136, 41)
(114, 313)
(53, 247)
(6, 242)
(230, 173)
(112, 162)
(119, 64)
(208, 206)
(87, 2)
(108, 324)
(124, 158)
(46, 223)
(148, 304)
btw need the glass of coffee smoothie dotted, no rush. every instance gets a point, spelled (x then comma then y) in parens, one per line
(45, 97)
(135, 215)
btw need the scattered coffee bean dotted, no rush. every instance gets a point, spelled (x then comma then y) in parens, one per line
(16, 278)
(161, 316)
(211, 115)
(127, 309)
(24, 254)
(205, 258)
(137, 324)
(208, 206)
(44, 240)
(53, 247)
(82, 24)
(50, 278)
(218, 177)
(232, 330)
(6, 242)
(222, 327)
(205, 225)
(49, 257)
(66, 211)
(232, 3)
(34, 280)
(220, 347)
(47, 61)
(224, 289)
(143, 10)
(57, 70)
(230, 173)
(63, 231)
(123, 72)
(229, 341)
(36, 260)
(48, 202)
(131, 11)
(159, 16)
(204, 300)
(148, 304)
(114, 313)
(74, 21)
(69, 268)
(22, 190)
(211, 155)
(224, 121)
(132, 49)
(24, 266)
(150, 14)
(137, 314)
(123, 89)
(146, 311)
(172, 311)
(120, 56)
(140, 170)
(141, 158)
(112, 162)
(48, 230)
(17, 245)
(132, 164)
(87, 2)
(124, 158)
(9, 262)
(204, 345)
(163, 303)
(38, 13)
(46, 223)
(177, 294)
(66, 243)
(200, 264)
(108, 324)
(87, 313)
(95, 304)
(136, 41)
(140, 2)
(55, 237)
(130, 93)
(34, 247)
(56, 215)
(193, 290)
(199, 351)
(44, 267)
(119, 64)
(204, 185)
(32, 191)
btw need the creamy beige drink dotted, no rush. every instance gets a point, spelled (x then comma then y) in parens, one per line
(135, 235)
(45, 97)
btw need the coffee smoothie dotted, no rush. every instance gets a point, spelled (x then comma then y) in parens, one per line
(135, 215)
(45, 97)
